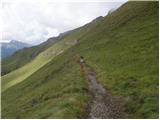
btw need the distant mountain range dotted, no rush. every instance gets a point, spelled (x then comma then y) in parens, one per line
(7, 49)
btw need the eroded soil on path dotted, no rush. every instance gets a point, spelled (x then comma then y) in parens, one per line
(103, 105)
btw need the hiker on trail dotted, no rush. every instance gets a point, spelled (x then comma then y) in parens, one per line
(82, 59)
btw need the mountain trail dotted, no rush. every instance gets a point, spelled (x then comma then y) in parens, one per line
(102, 105)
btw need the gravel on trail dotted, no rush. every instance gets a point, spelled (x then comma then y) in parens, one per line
(103, 105)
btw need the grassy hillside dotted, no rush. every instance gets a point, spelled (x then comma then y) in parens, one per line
(43, 58)
(123, 50)
(125, 55)
(49, 93)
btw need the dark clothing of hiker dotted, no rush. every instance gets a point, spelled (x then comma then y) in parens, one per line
(82, 59)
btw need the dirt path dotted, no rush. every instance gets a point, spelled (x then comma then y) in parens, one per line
(103, 105)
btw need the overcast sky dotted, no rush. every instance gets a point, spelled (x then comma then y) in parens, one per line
(33, 21)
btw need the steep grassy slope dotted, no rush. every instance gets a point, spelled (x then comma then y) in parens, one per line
(55, 91)
(42, 59)
(125, 55)
(122, 48)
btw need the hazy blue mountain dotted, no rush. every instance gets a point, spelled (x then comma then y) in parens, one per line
(9, 48)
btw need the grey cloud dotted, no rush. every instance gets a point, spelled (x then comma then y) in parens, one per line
(35, 22)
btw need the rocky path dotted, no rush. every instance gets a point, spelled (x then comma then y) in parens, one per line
(103, 105)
